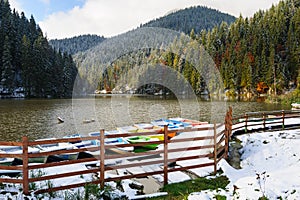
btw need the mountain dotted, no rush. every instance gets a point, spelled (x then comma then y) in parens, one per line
(76, 44)
(252, 55)
(194, 18)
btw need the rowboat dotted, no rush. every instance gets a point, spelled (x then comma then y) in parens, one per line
(57, 147)
(194, 122)
(142, 139)
(19, 150)
(5, 161)
(296, 105)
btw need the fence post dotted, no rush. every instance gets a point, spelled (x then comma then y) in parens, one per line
(230, 123)
(102, 158)
(283, 116)
(246, 122)
(165, 154)
(226, 135)
(215, 148)
(264, 120)
(25, 165)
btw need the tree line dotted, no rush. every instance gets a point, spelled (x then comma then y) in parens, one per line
(254, 55)
(27, 61)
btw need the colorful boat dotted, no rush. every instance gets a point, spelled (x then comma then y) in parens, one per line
(142, 139)
(194, 122)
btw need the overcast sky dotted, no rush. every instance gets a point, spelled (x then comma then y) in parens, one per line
(68, 18)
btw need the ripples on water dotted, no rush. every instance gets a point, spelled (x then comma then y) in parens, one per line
(38, 118)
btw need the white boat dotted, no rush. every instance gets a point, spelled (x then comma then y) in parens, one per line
(19, 150)
(296, 105)
(57, 147)
(5, 161)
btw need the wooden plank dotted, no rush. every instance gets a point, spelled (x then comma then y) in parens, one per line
(191, 139)
(134, 176)
(124, 166)
(10, 155)
(61, 163)
(132, 155)
(57, 152)
(215, 149)
(191, 167)
(4, 167)
(166, 154)
(10, 180)
(25, 166)
(63, 140)
(63, 175)
(190, 157)
(18, 144)
(54, 189)
(191, 148)
(102, 158)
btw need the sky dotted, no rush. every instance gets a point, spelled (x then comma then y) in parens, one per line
(68, 18)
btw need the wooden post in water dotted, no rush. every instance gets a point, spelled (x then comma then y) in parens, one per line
(165, 154)
(25, 166)
(102, 159)
(215, 148)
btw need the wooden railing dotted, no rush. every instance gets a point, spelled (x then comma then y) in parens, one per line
(215, 147)
(264, 120)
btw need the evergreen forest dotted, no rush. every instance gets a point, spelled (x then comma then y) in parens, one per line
(255, 55)
(29, 66)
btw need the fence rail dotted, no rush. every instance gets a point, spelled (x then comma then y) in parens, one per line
(264, 120)
(215, 147)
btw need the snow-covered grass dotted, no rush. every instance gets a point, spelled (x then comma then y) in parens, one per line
(270, 165)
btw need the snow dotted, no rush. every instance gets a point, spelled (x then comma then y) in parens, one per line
(274, 156)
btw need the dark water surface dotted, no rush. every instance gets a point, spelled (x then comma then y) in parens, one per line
(37, 118)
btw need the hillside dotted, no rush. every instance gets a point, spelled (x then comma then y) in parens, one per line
(253, 55)
(76, 44)
(186, 20)
(193, 18)
(29, 66)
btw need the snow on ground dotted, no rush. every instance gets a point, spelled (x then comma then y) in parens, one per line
(274, 157)
(270, 166)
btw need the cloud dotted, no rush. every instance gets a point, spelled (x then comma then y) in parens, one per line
(16, 4)
(113, 17)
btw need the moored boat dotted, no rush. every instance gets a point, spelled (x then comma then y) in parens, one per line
(19, 150)
(142, 139)
(57, 147)
(296, 105)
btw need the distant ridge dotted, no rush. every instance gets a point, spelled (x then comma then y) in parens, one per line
(197, 18)
(76, 44)
(185, 20)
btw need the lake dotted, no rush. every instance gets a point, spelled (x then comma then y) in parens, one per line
(37, 118)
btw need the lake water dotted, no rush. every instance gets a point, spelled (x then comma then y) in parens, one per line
(37, 118)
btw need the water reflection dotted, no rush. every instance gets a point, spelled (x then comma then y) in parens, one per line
(38, 118)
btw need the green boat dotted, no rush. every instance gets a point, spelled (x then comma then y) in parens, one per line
(141, 139)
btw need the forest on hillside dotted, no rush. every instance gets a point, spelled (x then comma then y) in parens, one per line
(254, 55)
(76, 44)
(29, 66)
(195, 18)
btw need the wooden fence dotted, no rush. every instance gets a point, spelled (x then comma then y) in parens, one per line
(265, 120)
(215, 147)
